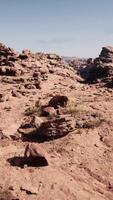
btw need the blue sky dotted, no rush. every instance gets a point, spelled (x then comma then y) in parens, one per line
(66, 27)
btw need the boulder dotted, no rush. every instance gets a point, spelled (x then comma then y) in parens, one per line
(57, 101)
(35, 155)
(55, 128)
(23, 56)
(101, 69)
(48, 111)
(11, 70)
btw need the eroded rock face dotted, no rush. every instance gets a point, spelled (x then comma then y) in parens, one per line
(6, 195)
(106, 54)
(101, 69)
(35, 155)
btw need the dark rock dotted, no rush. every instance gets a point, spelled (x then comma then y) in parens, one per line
(55, 128)
(101, 69)
(57, 101)
(38, 85)
(10, 71)
(106, 54)
(23, 56)
(54, 57)
(29, 86)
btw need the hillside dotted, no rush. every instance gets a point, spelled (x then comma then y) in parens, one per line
(65, 113)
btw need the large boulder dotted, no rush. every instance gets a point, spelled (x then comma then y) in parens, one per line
(35, 155)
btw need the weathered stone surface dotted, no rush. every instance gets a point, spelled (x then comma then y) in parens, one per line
(48, 111)
(57, 101)
(106, 54)
(55, 128)
(2, 135)
(35, 155)
(4, 97)
(37, 121)
(29, 189)
(6, 195)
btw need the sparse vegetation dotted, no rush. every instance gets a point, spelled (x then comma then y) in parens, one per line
(34, 110)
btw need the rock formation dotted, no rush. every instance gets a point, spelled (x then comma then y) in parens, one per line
(101, 69)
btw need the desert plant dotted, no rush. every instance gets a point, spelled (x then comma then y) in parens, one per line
(34, 110)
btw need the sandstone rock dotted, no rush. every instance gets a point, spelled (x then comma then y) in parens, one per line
(4, 97)
(2, 135)
(57, 101)
(2, 70)
(53, 56)
(55, 128)
(27, 123)
(29, 189)
(6, 195)
(51, 71)
(36, 74)
(48, 111)
(101, 69)
(29, 86)
(15, 93)
(27, 52)
(10, 71)
(38, 85)
(23, 56)
(43, 70)
(7, 56)
(106, 54)
(35, 155)
(37, 121)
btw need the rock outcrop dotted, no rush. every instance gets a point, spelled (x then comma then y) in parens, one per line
(55, 128)
(101, 69)
(106, 55)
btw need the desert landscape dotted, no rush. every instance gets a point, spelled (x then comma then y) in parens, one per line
(56, 126)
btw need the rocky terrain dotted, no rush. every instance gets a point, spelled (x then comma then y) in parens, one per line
(56, 122)
(76, 63)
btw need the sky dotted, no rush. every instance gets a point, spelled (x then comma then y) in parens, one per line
(67, 27)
